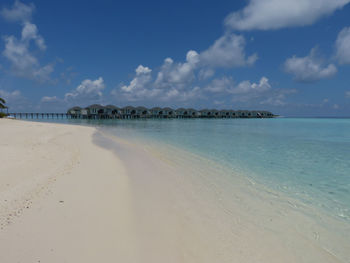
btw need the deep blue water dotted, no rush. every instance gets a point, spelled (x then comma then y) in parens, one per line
(308, 159)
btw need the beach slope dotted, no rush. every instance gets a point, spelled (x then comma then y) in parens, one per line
(62, 198)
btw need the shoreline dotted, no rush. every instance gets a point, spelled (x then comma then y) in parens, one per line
(130, 203)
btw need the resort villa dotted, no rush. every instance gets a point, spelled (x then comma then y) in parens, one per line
(97, 111)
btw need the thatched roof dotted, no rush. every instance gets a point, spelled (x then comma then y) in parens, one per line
(181, 109)
(112, 107)
(98, 106)
(141, 108)
(74, 108)
(168, 109)
(128, 108)
(156, 108)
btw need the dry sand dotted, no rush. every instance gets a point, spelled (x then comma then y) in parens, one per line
(62, 198)
(65, 198)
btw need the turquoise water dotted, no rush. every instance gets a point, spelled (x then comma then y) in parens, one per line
(308, 159)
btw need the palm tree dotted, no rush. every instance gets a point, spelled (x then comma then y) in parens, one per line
(2, 103)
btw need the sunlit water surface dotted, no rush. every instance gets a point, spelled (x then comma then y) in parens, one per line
(308, 159)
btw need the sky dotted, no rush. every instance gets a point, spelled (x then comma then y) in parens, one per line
(291, 57)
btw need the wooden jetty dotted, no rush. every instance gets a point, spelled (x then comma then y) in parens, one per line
(97, 111)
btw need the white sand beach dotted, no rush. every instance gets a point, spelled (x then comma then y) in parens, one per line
(65, 198)
(62, 198)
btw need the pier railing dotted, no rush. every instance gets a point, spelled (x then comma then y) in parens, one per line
(34, 115)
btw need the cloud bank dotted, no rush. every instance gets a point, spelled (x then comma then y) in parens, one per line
(342, 45)
(310, 68)
(276, 14)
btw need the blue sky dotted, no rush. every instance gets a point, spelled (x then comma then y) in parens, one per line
(291, 57)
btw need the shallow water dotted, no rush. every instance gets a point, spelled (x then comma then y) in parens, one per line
(308, 159)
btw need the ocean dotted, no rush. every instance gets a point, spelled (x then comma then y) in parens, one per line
(245, 188)
(306, 158)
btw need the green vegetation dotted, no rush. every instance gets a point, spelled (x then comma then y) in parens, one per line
(2, 106)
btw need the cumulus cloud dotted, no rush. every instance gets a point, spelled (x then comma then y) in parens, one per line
(183, 95)
(142, 78)
(220, 85)
(343, 46)
(23, 62)
(247, 93)
(275, 14)
(173, 82)
(30, 32)
(19, 51)
(89, 91)
(227, 51)
(206, 73)
(261, 93)
(19, 12)
(310, 68)
(176, 79)
(177, 75)
(49, 99)
(246, 87)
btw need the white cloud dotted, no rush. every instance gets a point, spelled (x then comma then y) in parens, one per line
(343, 46)
(177, 75)
(247, 93)
(142, 78)
(23, 62)
(9, 95)
(15, 100)
(89, 91)
(176, 80)
(228, 51)
(19, 12)
(206, 73)
(49, 99)
(30, 32)
(310, 68)
(275, 14)
(220, 85)
(19, 52)
(173, 83)
(277, 97)
(336, 106)
(246, 87)
(347, 94)
(182, 95)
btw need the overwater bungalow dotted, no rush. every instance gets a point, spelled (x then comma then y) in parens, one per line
(181, 113)
(224, 114)
(75, 112)
(113, 112)
(205, 113)
(168, 112)
(142, 112)
(214, 113)
(129, 112)
(156, 112)
(97, 111)
(192, 113)
(233, 114)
